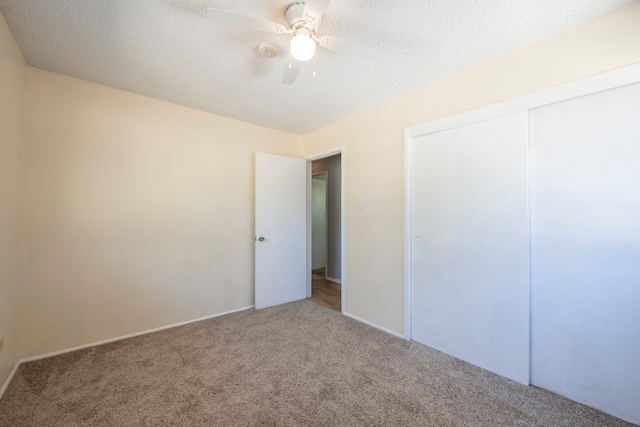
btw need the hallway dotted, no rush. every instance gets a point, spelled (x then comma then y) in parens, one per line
(325, 292)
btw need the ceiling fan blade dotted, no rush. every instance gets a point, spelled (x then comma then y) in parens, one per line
(291, 73)
(313, 9)
(350, 48)
(235, 18)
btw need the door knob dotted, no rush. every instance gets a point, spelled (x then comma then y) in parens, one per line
(261, 239)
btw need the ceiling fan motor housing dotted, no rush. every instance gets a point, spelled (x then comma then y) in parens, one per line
(296, 19)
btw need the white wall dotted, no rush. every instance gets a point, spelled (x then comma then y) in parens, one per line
(334, 201)
(137, 213)
(374, 146)
(12, 86)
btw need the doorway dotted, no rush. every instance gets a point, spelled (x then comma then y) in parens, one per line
(283, 228)
(326, 232)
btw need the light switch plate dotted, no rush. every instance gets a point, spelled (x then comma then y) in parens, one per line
(359, 204)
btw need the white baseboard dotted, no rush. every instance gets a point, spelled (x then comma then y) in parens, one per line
(110, 340)
(149, 331)
(135, 334)
(333, 279)
(389, 331)
(8, 381)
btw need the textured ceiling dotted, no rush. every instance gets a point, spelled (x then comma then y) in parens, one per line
(168, 49)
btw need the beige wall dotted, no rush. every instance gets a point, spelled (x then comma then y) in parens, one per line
(373, 271)
(12, 87)
(137, 213)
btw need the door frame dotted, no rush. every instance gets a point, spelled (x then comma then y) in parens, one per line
(585, 86)
(310, 158)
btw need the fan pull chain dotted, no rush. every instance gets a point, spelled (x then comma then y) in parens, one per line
(314, 66)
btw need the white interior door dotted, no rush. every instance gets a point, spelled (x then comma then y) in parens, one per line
(470, 272)
(281, 230)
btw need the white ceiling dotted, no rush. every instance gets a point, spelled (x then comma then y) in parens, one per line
(168, 49)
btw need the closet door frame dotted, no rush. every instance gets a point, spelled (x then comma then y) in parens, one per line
(598, 83)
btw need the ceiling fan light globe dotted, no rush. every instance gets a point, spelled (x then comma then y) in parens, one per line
(302, 47)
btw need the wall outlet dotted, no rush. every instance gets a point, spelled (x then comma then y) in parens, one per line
(1, 342)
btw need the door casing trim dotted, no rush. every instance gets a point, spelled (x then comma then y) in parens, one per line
(310, 158)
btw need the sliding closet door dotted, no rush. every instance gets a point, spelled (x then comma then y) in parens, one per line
(585, 249)
(470, 289)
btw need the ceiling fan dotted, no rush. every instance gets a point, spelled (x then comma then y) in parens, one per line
(304, 19)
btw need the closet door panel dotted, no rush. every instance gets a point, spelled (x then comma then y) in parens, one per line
(585, 249)
(470, 295)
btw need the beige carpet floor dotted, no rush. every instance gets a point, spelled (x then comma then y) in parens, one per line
(292, 365)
